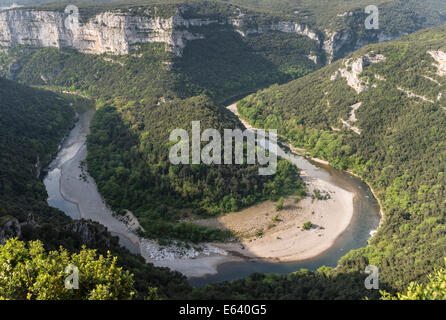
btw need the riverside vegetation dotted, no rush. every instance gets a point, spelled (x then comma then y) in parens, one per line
(33, 122)
(142, 96)
(399, 151)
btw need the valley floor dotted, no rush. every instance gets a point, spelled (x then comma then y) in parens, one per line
(76, 186)
(263, 237)
(278, 236)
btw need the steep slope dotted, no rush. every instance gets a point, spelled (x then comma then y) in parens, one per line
(119, 28)
(381, 114)
(213, 42)
(337, 27)
(153, 87)
(32, 123)
(150, 96)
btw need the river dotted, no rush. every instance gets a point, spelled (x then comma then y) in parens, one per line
(365, 219)
(72, 190)
(365, 222)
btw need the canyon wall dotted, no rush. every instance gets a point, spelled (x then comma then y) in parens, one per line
(118, 32)
(115, 32)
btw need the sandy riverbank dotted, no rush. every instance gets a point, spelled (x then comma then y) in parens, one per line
(278, 236)
(280, 239)
(266, 238)
(285, 241)
(77, 186)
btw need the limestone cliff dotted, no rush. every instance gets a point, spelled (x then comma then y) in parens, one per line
(115, 32)
(108, 32)
(343, 42)
(119, 31)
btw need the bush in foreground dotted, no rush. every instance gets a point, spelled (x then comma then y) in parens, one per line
(27, 271)
(435, 289)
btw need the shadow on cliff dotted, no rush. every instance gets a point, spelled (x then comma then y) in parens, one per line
(226, 64)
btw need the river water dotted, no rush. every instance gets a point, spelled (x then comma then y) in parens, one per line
(365, 219)
(69, 157)
(364, 223)
(67, 151)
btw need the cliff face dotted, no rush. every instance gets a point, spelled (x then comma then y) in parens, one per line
(108, 32)
(340, 44)
(114, 32)
(283, 26)
(9, 228)
(118, 32)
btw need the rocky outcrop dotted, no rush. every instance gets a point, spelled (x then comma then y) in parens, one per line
(440, 57)
(410, 94)
(353, 70)
(9, 228)
(152, 250)
(352, 119)
(284, 26)
(119, 31)
(313, 58)
(340, 44)
(112, 32)
(115, 32)
(334, 42)
(90, 233)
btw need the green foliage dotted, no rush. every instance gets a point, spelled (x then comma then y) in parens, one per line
(400, 151)
(158, 192)
(225, 64)
(319, 195)
(307, 225)
(279, 205)
(141, 100)
(434, 289)
(28, 272)
(144, 99)
(324, 284)
(33, 122)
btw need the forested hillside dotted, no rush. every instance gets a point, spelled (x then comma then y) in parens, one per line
(32, 124)
(338, 25)
(378, 113)
(381, 114)
(145, 95)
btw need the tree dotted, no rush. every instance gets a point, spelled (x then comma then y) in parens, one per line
(279, 205)
(435, 289)
(28, 272)
(307, 225)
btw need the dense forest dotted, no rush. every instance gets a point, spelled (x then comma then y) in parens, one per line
(32, 124)
(399, 149)
(434, 289)
(142, 96)
(99, 276)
